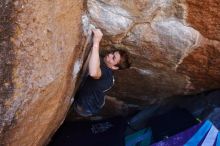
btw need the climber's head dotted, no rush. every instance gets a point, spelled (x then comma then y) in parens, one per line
(117, 59)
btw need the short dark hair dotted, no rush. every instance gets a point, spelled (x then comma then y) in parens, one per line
(124, 62)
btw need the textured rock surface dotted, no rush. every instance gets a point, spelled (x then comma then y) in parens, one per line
(175, 51)
(40, 41)
(203, 15)
(174, 46)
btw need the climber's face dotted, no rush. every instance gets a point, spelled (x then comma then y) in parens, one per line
(112, 59)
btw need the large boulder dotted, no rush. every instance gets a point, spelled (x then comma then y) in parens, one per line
(174, 48)
(39, 47)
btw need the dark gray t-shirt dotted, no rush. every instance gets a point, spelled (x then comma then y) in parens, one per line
(90, 96)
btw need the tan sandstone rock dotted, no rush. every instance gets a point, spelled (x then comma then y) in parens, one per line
(45, 41)
(174, 46)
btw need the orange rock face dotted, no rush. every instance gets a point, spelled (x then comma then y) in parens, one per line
(203, 15)
(174, 47)
(205, 70)
(45, 41)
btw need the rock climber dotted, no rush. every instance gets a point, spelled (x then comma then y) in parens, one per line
(89, 98)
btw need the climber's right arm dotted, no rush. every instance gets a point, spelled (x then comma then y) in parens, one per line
(94, 61)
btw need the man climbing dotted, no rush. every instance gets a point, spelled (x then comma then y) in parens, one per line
(89, 98)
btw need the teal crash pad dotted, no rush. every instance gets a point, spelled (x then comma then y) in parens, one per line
(140, 138)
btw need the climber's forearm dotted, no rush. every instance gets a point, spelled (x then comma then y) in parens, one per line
(94, 62)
